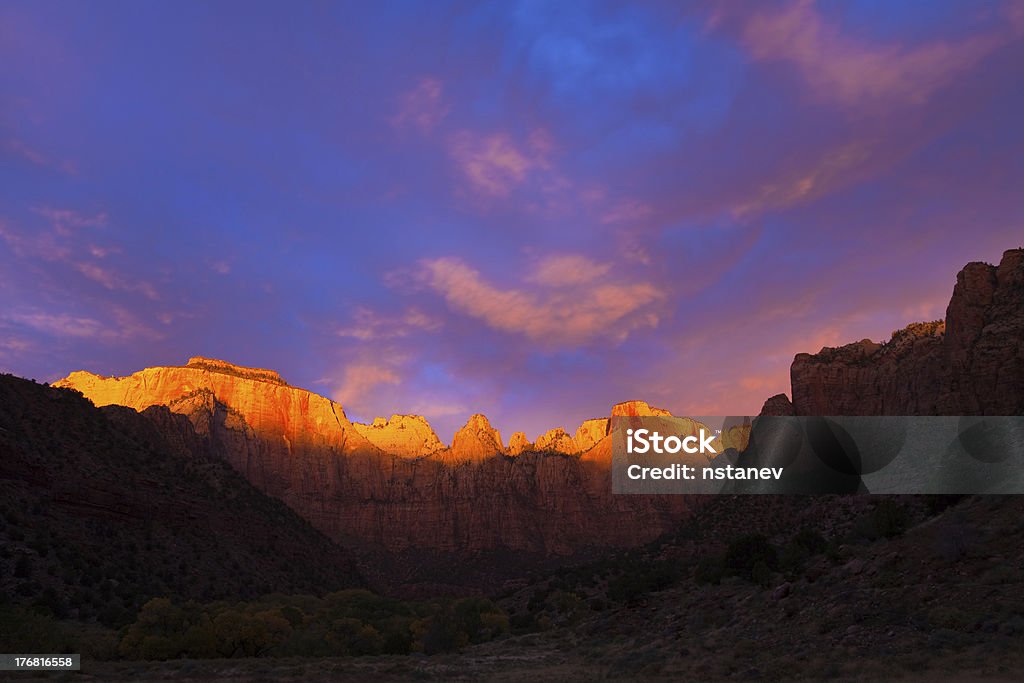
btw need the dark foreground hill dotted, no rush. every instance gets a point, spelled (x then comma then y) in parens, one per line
(101, 510)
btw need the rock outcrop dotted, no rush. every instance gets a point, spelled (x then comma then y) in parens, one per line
(778, 405)
(413, 521)
(590, 433)
(145, 502)
(637, 409)
(477, 440)
(518, 443)
(970, 364)
(556, 440)
(408, 436)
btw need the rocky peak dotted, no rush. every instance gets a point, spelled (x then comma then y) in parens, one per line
(225, 368)
(636, 409)
(973, 363)
(972, 296)
(778, 405)
(518, 443)
(590, 433)
(555, 440)
(408, 436)
(476, 441)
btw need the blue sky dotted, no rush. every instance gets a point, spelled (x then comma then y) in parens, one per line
(531, 210)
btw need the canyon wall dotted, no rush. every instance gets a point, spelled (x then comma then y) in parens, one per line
(970, 364)
(391, 489)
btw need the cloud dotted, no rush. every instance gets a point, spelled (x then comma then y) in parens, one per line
(834, 168)
(423, 107)
(113, 281)
(60, 325)
(369, 326)
(570, 310)
(358, 379)
(845, 71)
(494, 165)
(566, 270)
(433, 409)
(627, 211)
(122, 326)
(65, 220)
(23, 150)
(62, 244)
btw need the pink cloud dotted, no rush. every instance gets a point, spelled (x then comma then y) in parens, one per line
(568, 311)
(805, 182)
(423, 107)
(494, 165)
(64, 220)
(369, 326)
(627, 211)
(841, 69)
(566, 270)
(359, 379)
(23, 150)
(123, 326)
(113, 281)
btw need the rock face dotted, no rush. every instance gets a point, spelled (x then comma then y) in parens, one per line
(412, 521)
(636, 409)
(477, 440)
(408, 436)
(556, 440)
(590, 433)
(778, 405)
(518, 443)
(129, 496)
(972, 364)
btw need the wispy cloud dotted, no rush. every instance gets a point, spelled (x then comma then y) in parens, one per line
(567, 307)
(66, 220)
(121, 326)
(841, 69)
(494, 165)
(370, 326)
(423, 107)
(358, 380)
(112, 280)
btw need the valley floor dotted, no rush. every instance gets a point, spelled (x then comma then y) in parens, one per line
(551, 657)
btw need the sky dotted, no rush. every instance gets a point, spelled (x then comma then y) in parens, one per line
(532, 210)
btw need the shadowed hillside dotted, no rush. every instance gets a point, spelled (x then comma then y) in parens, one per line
(101, 511)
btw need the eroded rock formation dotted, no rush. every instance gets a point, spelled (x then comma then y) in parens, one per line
(415, 518)
(518, 443)
(970, 364)
(408, 436)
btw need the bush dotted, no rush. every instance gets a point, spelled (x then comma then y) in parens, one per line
(749, 553)
(634, 584)
(887, 520)
(709, 570)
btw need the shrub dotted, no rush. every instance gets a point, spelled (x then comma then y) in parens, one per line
(750, 552)
(887, 520)
(709, 570)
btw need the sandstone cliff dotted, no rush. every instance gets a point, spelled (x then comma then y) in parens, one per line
(556, 440)
(408, 436)
(636, 409)
(590, 433)
(970, 364)
(477, 440)
(414, 521)
(518, 443)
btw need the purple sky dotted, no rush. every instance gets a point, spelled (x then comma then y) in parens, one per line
(531, 210)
